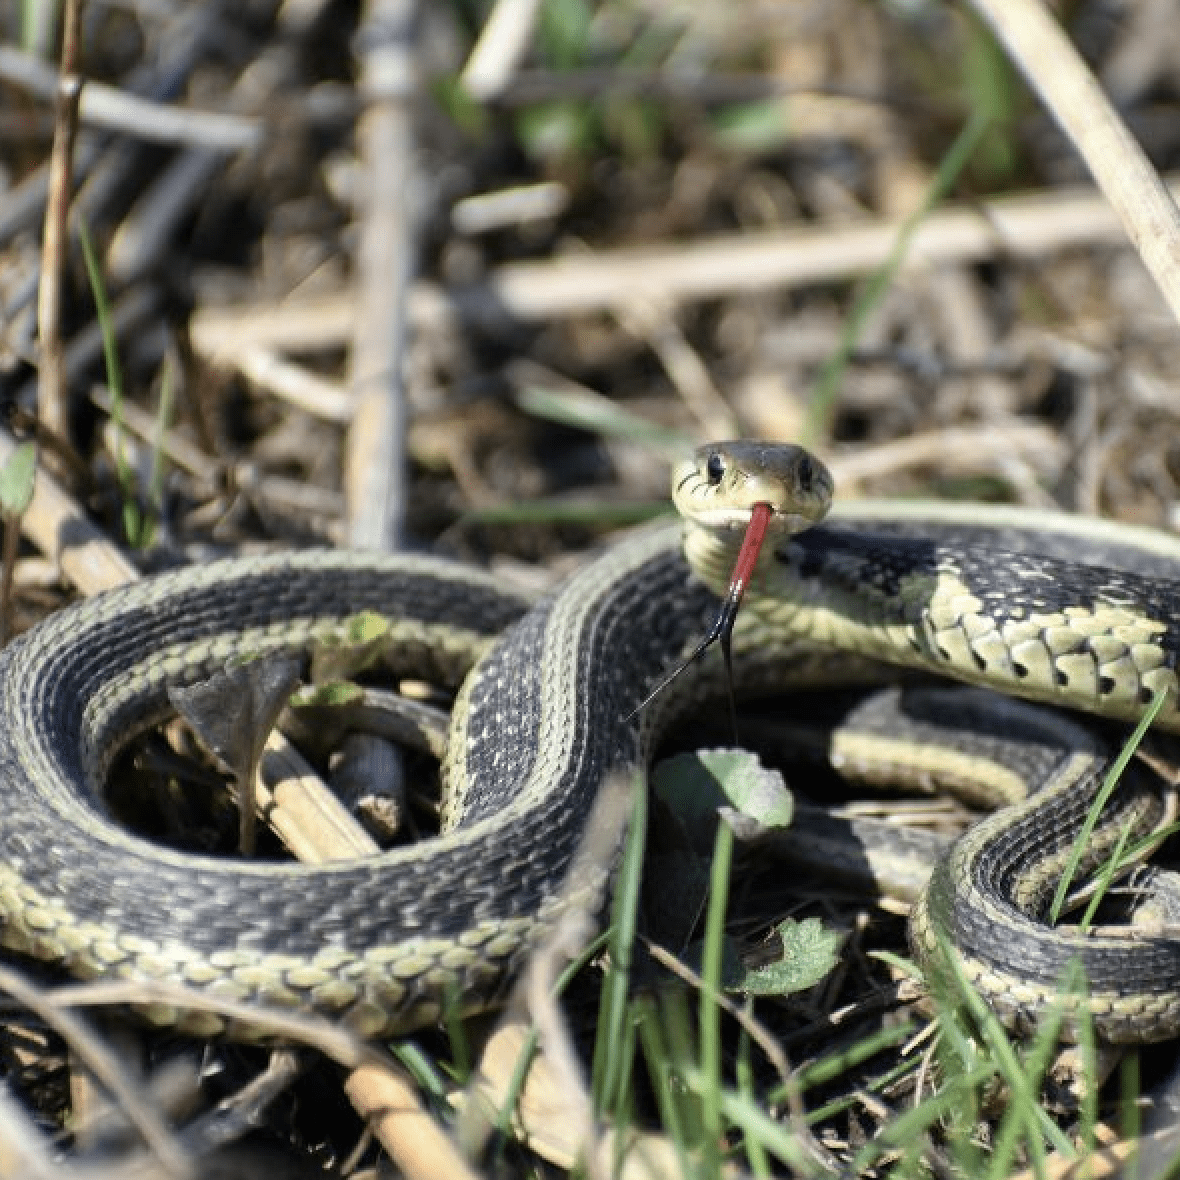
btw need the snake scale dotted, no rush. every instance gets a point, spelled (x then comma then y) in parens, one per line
(1071, 612)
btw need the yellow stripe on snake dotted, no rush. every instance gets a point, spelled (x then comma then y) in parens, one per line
(1058, 609)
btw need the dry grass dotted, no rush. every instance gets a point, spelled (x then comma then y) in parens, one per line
(345, 257)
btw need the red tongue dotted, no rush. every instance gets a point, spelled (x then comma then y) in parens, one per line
(722, 627)
(747, 557)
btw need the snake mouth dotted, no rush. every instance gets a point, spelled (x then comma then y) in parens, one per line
(792, 522)
(782, 523)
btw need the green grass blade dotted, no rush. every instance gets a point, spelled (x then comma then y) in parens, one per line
(1081, 843)
(1036, 1065)
(907, 1129)
(613, 1009)
(586, 410)
(1131, 1119)
(709, 1011)
(744, 1074)
(423, 1069)
(601, 513)
(1102, 883)
(679, 1030)
(1039, 1125)
(889, 1078)
(133, 525)
(663, 1072)
(819, 411)
(755, 1123)
(832, 1066)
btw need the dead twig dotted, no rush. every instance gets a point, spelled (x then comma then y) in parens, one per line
(1055, 70)
(106, 1067)
(375, 467)
(500, 49)
(116, 110)
(1034, 226)
(53, 391)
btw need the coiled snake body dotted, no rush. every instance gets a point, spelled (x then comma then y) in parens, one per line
(541, 719)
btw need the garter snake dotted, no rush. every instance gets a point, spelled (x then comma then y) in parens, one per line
(1053, 608)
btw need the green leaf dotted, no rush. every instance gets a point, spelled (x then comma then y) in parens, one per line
(351, 649)
(810, 952)
(699, 787)
(367, 627)
(332, 693)
(556, 132)
(17, 478)
(564, 32)
(753, 128)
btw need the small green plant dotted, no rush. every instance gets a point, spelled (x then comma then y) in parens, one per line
(697, 1057)
(137, 527)
(17, 480)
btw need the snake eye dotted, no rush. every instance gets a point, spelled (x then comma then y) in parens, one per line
(714, 467)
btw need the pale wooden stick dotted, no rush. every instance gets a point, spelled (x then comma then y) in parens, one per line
(300, 387)
(118, 110)
(1036, 225)
(52, 386)
(953, 448)
(1053, 68)
(483, 212)
(414, 1140)
(375, 458)
(1110, 1157)
(501, 47)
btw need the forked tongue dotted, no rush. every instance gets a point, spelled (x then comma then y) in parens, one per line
(722, 627)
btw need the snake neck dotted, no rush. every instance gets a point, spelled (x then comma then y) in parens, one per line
(712, 554)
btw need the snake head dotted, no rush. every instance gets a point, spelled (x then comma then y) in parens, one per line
(719, 485)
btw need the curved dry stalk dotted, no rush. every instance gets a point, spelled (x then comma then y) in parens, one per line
(137, 1104)
(1055, 70)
